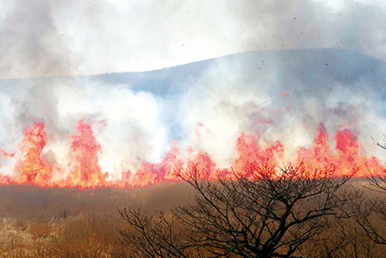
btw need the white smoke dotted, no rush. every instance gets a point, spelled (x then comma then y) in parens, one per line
(280, 95)
(56, 37)
(255, 93)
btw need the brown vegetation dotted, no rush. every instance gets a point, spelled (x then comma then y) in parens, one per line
(54, 222)
(297, 212)
(261, 213)
(38, 222)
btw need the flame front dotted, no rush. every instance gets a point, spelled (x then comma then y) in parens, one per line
(84, 171)
(84, 168)
(32, 168)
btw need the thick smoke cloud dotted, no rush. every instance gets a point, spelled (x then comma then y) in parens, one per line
(40, 38)
(31, 44)
(355, 25)
(284, 96)
(281, 95)
(130, 123)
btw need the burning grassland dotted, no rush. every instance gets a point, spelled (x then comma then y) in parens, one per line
(264, 148)
(83, 169)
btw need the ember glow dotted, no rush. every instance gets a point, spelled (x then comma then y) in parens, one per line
(84, 171)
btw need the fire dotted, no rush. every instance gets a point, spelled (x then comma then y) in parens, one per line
(344, 159)
(84, 168)
(32, 168)
(84, 171)
(250, 154)
(6, 154)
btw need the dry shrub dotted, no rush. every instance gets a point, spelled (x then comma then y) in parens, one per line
(20, 224)
(80, 236)
(76, 230)
(39, 230)
(59, 251)
(95, 229)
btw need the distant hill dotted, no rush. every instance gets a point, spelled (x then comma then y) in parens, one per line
(303, 69)
(279, 95)
(316, 67)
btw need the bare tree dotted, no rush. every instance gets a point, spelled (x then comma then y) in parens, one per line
(371, 212)
(377, 179)
(264, 212)
(343, 239)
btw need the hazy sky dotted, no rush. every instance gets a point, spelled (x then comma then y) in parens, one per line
(61, 37)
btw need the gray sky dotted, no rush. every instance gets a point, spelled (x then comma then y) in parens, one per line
(62, 37)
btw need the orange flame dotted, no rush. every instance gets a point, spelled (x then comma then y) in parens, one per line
(7, 154)
(83, 169)
(33, 169)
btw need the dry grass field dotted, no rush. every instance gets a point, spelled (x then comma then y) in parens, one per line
(56, 222)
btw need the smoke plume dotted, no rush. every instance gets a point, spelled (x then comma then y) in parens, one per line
(309, 62)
